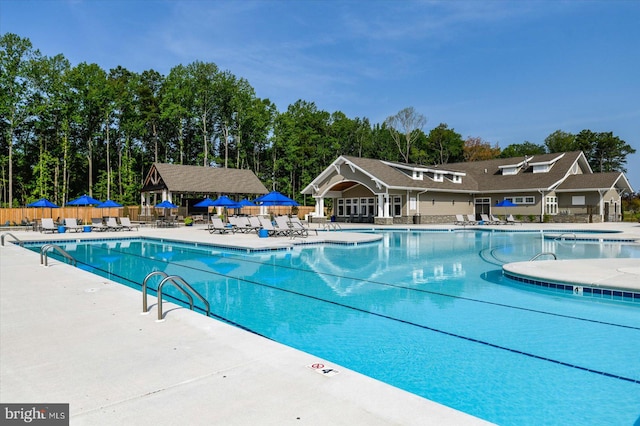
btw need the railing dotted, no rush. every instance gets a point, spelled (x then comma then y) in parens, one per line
(575, 237)
(543, 254)
(44, 254)
(331, 226)
(11, 235)
(179, 283)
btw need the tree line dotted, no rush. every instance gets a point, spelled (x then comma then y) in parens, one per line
(68, 130)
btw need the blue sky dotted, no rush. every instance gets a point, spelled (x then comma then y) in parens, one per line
(505, 71)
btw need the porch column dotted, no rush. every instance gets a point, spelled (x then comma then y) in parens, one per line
(319, 212)
(381, 205)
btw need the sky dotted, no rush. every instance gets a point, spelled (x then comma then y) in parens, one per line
(504, 71)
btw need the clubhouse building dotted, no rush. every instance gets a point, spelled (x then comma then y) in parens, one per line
(559, 187)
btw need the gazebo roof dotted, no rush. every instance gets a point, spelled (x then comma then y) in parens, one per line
(178, 178)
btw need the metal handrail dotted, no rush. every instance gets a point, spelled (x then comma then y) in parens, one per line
(44, 254)
(179, 283)
(172, 279)
(544, 254)
(575, 237)
(11, 235)
(328, 226)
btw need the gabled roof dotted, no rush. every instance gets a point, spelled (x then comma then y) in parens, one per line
(572, 168)
(594, 181)
(202, 180)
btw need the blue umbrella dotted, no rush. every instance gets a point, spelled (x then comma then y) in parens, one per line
(246, 203)
(43, 202)
(166, 204)
(108, 204)
(84, 200)
(505, 204)
(207, 202)
(224, 201)
(275, 198)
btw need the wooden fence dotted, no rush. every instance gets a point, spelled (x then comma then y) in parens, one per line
(16, 215)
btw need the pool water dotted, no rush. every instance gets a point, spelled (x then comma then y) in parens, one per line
(428, 312)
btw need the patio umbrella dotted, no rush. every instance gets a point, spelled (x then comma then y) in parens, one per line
(108, 204)
(83, 200)
(275, 198)
(207, 202)
(42, 203)
(246, 203)
(166, 204)
(505, 204)
(225, 202)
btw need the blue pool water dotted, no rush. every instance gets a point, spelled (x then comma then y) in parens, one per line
(428, 312)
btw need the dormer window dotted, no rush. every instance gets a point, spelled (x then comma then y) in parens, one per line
(456, 179)
(541, 168)
(417, 175)
(510, 171)
(438, 177)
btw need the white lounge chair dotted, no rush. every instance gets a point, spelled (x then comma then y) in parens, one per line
(72, 225)
(486, 220)
(273, 230)
(512, 221)
(48, 225)
(126, 224)
(460, 220)
(112, 225)
(297, 224)
(497, 221)
(471, 219)
(97, 225)
(217, 225)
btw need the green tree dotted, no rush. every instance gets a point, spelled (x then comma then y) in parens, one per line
(17, 56)
(560, 141)
(523, 149)
(446, 145)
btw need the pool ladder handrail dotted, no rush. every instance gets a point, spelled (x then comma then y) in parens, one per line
(178, 282)
(11, 235)
(575, 237)
(329, 226)
(546, 253)
(44, 254)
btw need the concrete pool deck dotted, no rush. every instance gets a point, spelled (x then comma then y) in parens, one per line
(68, 336)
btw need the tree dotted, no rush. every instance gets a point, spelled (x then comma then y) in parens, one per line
(203, 78)
(522, 150)
(445, 145)
(608, 152)
(476, 149)
(405, 128)
(560, 141)
(16, 91)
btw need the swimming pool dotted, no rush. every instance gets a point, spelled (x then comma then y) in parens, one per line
(429, 312)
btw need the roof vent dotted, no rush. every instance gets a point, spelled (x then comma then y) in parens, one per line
(485, 170)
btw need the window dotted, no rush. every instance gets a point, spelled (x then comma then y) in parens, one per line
(551, 205)
(340, 207)
(397, 206)
(417, 175)
(578, 200)
(519, 199)
(456, 179)
(438, 177)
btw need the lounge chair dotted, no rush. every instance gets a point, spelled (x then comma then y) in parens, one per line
(72, 225)
(460, 220)
(255, 223)
(471, 219)
(48, 226)
(242, 224)
(217, 225)
(296, 223)
(512, 221)
(273, 230)
(486, 220)
(97, 225)
(497, 221)
(282, 223)
(112, 225)
(126, 224)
